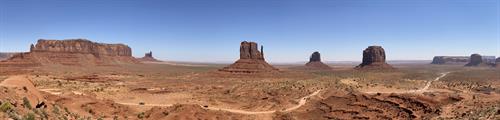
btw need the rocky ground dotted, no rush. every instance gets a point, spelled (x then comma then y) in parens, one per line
(176, 91)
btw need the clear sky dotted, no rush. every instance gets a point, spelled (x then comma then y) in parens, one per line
(290, 30)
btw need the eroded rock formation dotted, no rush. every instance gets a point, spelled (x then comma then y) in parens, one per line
(251, 60)
(450, 60)
(374, 58)
(475, 60)
(72, 52)
(315, 62)
(148, 57)
(81, 46)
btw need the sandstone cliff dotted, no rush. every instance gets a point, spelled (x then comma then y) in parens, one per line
(315, 62)
(81, 46)
(251, 60)
(72, 52)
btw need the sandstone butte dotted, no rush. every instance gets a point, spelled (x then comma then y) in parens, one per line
(315, 62)
(374, 58)
(251, 60)
(148, 57)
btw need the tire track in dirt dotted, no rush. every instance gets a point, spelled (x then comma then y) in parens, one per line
(423, 89)
(302, 101)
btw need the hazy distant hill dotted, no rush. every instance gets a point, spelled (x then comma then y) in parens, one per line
(6, 55)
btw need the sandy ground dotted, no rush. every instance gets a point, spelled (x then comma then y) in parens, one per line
(199, 91)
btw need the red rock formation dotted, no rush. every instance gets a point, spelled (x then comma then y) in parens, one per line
(475, 60)
(72, 52)
(374, 58)
(450, 60)
(148, 57)
(81, 46)
(251, 60)
(315, 62)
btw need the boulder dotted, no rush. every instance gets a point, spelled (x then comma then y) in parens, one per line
(315, 62)
(251, 60)
(374, 58)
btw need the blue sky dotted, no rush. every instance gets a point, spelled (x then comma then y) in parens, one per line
(290, 30)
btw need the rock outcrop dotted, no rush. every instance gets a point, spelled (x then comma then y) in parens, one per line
(450, 60)
(315, 62)
(72, 52)
(374, 58)
(251, 60)
(81, 46)
(475, 60)
(148, 57)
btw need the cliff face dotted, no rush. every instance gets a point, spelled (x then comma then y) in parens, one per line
(81, 46)
(72, 52)
(251, 60)
(374, 58)
(315, 62)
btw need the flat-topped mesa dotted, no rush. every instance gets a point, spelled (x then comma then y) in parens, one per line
(374, 58)
(450, 60)
(315, 62)
(81, 46)
(148, 57)
(72, 52)
(251, 60)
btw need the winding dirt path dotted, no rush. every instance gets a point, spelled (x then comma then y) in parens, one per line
(421, 90)
(302, 101)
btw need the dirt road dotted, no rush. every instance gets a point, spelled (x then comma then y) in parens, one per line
(302, 101)
(423, 89)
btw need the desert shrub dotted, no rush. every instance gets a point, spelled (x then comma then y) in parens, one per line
(6, 106)
(29, 116)
(26, 103)
(14, 115)
(55, 110)
(141, 115)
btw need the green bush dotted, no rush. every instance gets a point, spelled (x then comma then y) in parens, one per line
(6, 106)
(29, 116)
(26, 103)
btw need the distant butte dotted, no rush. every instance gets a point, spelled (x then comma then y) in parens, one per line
(476, 60)
(148, 57)
(72, 52)
(251, 60)
(374, 58)
(315, 62)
